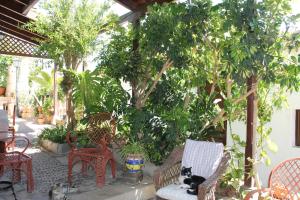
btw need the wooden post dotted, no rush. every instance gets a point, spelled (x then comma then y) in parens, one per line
(250, 140)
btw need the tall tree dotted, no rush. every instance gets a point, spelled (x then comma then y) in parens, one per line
(71, 28)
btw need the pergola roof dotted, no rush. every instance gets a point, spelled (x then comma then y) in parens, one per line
(14, 39)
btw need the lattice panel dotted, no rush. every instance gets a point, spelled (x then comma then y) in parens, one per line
(287, 174)
(11, 45)
(101, 127)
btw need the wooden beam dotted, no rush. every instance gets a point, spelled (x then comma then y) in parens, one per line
(17, 26)
(140, 5)
(16, 29)
(13, 14)
(13, 5)
(24, 3)
(17, 34)
(27, 8)
(130, 4)
(250, 133)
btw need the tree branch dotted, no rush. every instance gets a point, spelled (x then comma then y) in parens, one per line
(166, 66)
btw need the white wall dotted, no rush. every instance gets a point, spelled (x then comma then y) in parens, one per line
(283, 134)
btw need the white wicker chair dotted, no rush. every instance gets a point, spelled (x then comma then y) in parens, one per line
(206, 159)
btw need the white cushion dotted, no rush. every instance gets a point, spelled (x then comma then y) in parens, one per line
(203, 157)
(174, 192)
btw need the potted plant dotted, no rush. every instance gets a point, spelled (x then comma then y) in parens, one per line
(134, 155)
(4, 62)
(54, 139)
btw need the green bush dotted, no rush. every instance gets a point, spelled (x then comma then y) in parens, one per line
(57, 134)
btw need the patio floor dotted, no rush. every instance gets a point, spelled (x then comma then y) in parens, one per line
(50, 169)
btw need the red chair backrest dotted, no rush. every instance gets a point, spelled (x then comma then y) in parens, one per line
(286, 176)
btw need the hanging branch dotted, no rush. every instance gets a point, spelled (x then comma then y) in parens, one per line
(229, 96)
(143, 97)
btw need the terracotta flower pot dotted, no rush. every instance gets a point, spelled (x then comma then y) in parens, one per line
(41, 119)
(2, 91)
(40, 109)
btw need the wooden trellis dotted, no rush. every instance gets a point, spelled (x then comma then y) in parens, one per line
(11, 45)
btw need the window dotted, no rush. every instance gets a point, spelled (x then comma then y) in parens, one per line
(297, 129)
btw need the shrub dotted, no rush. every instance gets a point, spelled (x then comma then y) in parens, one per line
(57, 134)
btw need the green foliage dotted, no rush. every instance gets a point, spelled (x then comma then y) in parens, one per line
(44, 81)
(235, 174)
(133, 148)
(57, 134)
(213, 50)
(48, 106)
(98, 93)
(163, 121)
(5, 61)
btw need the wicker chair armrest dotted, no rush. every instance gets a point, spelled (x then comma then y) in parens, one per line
(166, 175)
(169, 172)
(207, 188)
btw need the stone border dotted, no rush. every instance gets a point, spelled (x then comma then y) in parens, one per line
(55, 147)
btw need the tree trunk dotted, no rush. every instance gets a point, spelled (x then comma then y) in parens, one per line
(71, 121)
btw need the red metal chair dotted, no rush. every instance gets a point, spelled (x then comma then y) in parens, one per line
(11, 128)
(18, 162)
(100, 130)
(284, 181)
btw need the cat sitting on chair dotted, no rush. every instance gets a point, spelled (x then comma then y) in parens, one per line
(184, 174)
(189, 181)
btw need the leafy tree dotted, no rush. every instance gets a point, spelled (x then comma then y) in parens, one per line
(71, 29)
(200, 56)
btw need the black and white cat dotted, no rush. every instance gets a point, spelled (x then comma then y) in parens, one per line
(184, 174)
(189, 181)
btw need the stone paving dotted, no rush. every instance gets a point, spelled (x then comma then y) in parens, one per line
(50, 169)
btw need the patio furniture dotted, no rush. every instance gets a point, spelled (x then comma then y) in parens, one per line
(207, 159)
(100, 130)
(284, 181)
(11, 128)
(17, 162)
